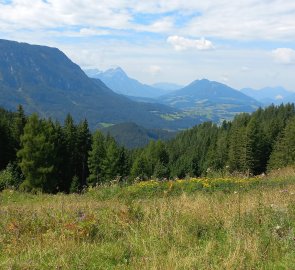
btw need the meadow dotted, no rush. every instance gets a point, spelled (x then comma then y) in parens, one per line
(202, 223)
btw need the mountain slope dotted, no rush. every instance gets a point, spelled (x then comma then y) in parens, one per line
(118, 81)
(45, 81)
(131, 135)
(214, 100)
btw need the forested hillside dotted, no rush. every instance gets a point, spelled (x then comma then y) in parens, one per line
(39, 154)
(133, 136)
(45, 81)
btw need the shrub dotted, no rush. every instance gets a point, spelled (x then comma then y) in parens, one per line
(9, 178)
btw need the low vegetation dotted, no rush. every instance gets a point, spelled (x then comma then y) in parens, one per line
(201, 223)
(70, 199)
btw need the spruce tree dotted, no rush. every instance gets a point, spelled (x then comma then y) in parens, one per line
(38, 155)
(140, 168)
(111, 163)
(83, 147)
(71, 153)
(18, 125)
(284, 150)
(97, 154)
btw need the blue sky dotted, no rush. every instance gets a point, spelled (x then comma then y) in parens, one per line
(245, 43)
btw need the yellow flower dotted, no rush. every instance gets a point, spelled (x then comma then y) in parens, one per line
(206, 185)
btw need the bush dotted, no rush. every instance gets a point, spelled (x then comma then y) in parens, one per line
(9, 178)
(75, 185)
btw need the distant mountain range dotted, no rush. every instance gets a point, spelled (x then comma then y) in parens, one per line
(117, 80)
(210, 99)
(269, 95)
(46, 81)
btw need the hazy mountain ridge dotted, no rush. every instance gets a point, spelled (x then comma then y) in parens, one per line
(44, 80)
(118, 81)
(269, 95)
(210, 99)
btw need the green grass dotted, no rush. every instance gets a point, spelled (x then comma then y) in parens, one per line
(221, 223)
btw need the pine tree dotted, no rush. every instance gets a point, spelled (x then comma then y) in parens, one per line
(71, 153)
(4, 143)
(123, 163)
(238, 152)
(7, 140)
(97, 154)
(18, 125)
(111, 163)
(75, 185)
(37, 155)
(284, 150)
(140, 168)
(83, 147)
(256, 147)
(160, 171)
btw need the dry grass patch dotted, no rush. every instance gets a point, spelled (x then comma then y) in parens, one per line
(217, 230)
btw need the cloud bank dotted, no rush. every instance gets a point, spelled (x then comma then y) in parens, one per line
(213, 18)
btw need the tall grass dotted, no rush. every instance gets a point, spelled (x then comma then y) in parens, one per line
(134, 228)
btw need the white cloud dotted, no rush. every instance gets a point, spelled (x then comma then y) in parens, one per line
(83, 32)
(164, 25)
(124, 25)
(284, 56)
(181, 43)
(243, 19)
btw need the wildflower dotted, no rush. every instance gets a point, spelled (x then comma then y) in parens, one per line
(206, 185)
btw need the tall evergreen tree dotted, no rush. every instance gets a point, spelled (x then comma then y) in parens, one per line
(71, 153)
(4, 144)
(83, 147)
(238, 153)
(97, 155)
(19, 125)
(140, 168)
(37, 155)
(111, 163)
(284, 150)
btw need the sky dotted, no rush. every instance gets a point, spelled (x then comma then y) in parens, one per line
(245, 43)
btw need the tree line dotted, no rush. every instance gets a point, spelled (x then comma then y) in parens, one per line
(42, 154)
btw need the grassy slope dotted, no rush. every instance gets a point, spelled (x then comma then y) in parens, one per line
(153, 226)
